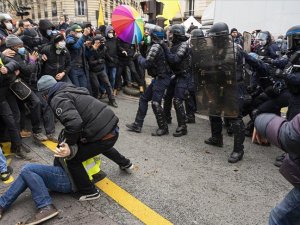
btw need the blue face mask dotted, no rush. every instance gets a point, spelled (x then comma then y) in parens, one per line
(22, 51)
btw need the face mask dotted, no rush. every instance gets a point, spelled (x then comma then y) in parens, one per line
(79, 35)
(49, 32)
(61, 44)
(263, 43)
(22, 51)
(9, 26)
(110, 35)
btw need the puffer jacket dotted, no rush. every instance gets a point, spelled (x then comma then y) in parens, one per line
(85, 118)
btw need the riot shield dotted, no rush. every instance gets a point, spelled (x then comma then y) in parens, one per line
(247, 41)
(215, 73)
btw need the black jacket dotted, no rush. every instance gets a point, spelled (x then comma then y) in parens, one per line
(112, 51)
(97, 59)
(56, 63)
(26, 70)
(85, 118)
(6, 79)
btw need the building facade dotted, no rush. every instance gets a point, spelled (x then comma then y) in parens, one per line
(192, 8)
(76, 10)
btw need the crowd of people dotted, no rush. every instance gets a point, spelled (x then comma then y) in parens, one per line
(62, 72)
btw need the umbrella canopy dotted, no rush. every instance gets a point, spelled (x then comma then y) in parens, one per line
(128, 24)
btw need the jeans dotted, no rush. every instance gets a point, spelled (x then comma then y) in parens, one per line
(78, 77)
(3, 166)
(287, 212)
(89, 150)
(38, 178)
(112, 72)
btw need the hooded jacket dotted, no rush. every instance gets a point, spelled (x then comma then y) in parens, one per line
(85, 118)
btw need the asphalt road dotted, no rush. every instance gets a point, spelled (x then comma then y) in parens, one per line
(182, 179)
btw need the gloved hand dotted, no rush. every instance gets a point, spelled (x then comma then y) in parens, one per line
(268, 60)
(136, 55)
(101, 61)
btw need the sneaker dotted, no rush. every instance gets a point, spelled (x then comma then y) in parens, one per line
(6, 175)
(134, 127)
(128, 168)
(42, 215)
(17, 150)
(39, 137)
(89, 197)
(52, 137)
(25, 134)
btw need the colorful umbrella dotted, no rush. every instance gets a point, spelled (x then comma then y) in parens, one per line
(128, 24)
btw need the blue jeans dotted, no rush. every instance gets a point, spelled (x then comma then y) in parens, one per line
(38, 178)
(112, 72)
(3, 167)
(78, 77)
(287, 212)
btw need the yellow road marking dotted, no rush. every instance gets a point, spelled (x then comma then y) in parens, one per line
(125, 199)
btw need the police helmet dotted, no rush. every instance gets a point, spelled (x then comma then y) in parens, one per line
(264, 37)
(156, 32)
(178, 30)
(218, 29)
(293, 38)
(197, 33)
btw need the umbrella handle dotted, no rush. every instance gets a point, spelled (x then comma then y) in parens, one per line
(136, 45)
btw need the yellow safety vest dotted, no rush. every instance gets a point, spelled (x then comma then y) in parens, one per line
(92, 166)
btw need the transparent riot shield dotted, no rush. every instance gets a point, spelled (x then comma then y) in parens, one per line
(215, 76)
(247, 41)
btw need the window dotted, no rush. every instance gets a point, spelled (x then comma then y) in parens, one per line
(54, 8)
(45, 10)
(80, 6)
(39, 10)
(32, 12)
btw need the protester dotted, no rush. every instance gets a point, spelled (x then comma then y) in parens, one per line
(91, 128)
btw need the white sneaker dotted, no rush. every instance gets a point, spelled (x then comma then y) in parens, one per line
(128, 168)
(90, 196)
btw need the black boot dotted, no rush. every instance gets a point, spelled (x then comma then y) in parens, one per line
(139, 118)
(113, 103)
(215, 141)
(167, 108)
(161, 120)
(134, 127)
(239, 137)
(180, 114)
(18, 151)
(190, 119)
(216, 138)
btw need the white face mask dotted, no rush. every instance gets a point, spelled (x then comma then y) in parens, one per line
(61, 44)
(110, 35)
(79, 35)
(9, 26)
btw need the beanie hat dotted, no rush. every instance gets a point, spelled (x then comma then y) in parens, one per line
(233, 30)
(58, 38)
(46, 24)
(45, 82)
(13, 40)
(76, 27)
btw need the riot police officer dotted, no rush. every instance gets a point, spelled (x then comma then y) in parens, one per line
(190, 102)
(157, 67)
(179, 59)
(222, 43)
(266, 47)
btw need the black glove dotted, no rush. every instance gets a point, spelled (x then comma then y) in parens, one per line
(101, 61)
(268, 60)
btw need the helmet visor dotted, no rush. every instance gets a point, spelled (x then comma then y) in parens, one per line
(293, 41)
(262, 36)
